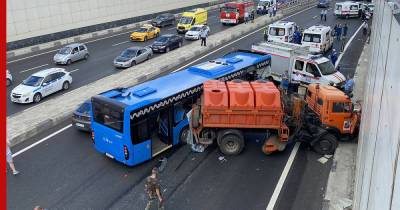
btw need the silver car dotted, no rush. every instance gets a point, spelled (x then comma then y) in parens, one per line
(132, 56)
(71, 53)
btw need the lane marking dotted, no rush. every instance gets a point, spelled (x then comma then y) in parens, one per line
(119, 43)
(212, 52)
(95, 40)
(285, 172)
(40, 141)
(68, 126)
(74, 70)
(170, 29)
(347, 45)
(33, 68)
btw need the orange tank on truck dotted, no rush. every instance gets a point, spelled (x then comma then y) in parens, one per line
(233, 12)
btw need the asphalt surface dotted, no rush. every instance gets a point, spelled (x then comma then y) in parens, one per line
(99, 65)
(65, 172)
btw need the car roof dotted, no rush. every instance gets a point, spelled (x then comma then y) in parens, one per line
(46, 72)
(317, 29)
(282, 23)
(134, 48)
(74, 45)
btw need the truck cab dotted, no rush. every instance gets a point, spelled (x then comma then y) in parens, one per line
(334, 109)
(233, 12)
(280, 31)
(318, 38)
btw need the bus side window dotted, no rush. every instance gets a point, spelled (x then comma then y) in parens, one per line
(139, 132)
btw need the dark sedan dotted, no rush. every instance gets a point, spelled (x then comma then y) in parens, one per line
(163, 20)
(81, 116)
(167, 42)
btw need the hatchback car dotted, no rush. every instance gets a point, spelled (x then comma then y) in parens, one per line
(164, 20)
(167, 42)
(145, 32)
(132, 56)
(41, 84)
(9, 78)
(71, 53)
(195, 31)
(82, 116)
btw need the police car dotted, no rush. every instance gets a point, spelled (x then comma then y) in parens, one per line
(41, 84)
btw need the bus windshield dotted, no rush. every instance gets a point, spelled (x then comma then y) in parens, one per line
(316, 38)
(108, 115)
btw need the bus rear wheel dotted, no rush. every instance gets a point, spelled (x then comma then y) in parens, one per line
(231, 141)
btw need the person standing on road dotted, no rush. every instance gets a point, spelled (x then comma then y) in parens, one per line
(322, 15)
(153, 191)
(274, 11)
(264, 10)
(334, 56)
(325, 13)
(271, 11)
(252, 16)
(345, 28)
(295, 82)
(203, 37)
(10, 161)
(348, 86)
(339, 32)
(246, 17)
(365, 28)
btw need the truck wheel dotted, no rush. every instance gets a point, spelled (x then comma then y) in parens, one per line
(326, 145)
(231, 142)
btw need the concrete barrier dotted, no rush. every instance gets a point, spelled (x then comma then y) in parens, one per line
(46, 115)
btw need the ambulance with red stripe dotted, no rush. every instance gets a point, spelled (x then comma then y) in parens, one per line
(289, 58)
(347, 9)
(318, 38)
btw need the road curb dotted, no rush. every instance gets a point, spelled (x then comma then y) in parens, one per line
(84, 37)
(26, 124)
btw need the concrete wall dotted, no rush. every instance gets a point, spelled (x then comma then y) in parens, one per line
(32, 18)
(378, 167)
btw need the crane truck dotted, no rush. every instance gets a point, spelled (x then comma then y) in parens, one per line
(227, 109)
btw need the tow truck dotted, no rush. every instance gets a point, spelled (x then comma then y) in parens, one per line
(226, 110)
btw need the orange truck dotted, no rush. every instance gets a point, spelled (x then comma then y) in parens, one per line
(227, 109)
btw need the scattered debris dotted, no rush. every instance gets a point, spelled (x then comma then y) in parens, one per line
(222, 159)
(193, 158)
(328, 156)
(257, 169)
(198, 148)
(323, 160)
(163, 164)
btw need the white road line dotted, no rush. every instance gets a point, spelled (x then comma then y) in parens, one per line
(41, 140)
(68, 126)
(172, 28)
(281, 181)
(33, 68)
(347, 46)
(50, 51)
(95, 40)
(119, 43)
(74, 70)
(184, 66)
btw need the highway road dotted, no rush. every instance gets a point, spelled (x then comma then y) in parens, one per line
(65, 172)
(102, 51)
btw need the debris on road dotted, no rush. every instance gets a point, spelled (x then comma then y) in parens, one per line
(222, 159)
(198, 147)
(163, 164)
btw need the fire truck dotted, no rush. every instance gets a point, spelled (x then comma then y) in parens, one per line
(234, 12)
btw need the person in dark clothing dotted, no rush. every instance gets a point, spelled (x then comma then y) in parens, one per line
(339, 32)
(334, 56)
(345, 28)
(265, 11)
(153, 191)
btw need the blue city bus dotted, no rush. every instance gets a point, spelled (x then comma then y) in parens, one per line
(132, 125)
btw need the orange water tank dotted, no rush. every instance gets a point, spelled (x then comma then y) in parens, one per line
(215, 95)
(241, 95)
(267, 96)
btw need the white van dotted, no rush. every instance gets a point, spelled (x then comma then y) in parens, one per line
(318, 38)
(347, 9)
(281, 31)
(295, 58)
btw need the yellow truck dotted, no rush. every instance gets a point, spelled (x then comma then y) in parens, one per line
(193, 17)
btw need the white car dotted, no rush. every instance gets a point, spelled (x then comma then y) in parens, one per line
(195, 31)
(9, 78)
(41, 84)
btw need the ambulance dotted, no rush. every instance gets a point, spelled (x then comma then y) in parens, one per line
(280, 31)
(347, 9)
(193, 17)
(318, 38)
